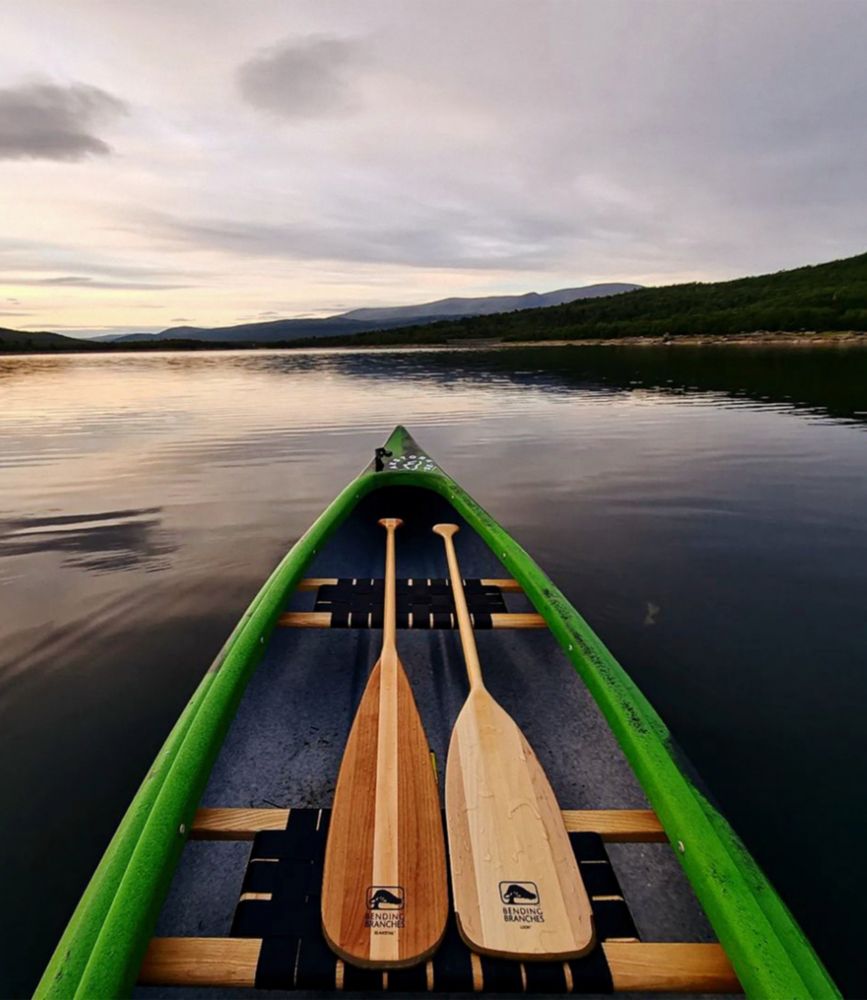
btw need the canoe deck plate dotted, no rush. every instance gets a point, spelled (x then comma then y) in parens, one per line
(280, 904)
(358, 603)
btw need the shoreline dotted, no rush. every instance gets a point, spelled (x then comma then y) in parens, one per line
(806, 339)
(800, 340)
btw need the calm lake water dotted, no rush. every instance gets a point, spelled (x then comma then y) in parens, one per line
(705, 509)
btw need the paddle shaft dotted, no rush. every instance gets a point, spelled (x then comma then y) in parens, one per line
(389, 618)
(386, 868)
(465, 626)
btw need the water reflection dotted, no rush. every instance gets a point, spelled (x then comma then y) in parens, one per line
(98, 542)
(827, 381)
(705, 509)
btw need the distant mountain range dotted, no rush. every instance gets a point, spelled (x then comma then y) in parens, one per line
(819, 298)
(362, 320)
(25, 340)
(823, 297)
(485, 306)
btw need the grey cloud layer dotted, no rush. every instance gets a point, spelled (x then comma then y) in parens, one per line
(465, 237)
(302, 78)
(45, 121)
(307, 150)
(657, 136)
(83, 281)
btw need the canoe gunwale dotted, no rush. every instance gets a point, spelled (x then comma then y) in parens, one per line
(106, 938)
(108, 933)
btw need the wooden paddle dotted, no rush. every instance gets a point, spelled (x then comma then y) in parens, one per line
(518, 892)
(384, 890)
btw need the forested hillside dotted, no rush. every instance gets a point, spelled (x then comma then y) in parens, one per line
(822, 297)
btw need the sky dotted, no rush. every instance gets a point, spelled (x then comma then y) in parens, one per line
(210, 162)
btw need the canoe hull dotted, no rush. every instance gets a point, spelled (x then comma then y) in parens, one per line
(101, 950)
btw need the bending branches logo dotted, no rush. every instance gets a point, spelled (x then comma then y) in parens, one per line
(521, 903)
(385, 907)
(385, 897)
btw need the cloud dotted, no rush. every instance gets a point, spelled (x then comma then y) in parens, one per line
(264, 314)
(42, 121)
(459, 149)
(81, 281)
(473, 237)
(21, 260)
(309, 78)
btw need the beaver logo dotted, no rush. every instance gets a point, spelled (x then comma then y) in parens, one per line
(521, 904)
(385, 897)
(519, 893)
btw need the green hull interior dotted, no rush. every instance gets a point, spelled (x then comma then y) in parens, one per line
(102, 947)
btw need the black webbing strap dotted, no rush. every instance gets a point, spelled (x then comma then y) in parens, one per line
(359, 603)
(287, 864)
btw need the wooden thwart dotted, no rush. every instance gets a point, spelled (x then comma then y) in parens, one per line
(511, 586)
(670, 968)
(613, 825)
(636, 966)
(236, 824)
(617, 826)
(322, 619)
(315, 582)
(192, 961)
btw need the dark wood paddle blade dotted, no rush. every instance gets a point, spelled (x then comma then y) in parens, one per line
(384, 892)
(518, 891)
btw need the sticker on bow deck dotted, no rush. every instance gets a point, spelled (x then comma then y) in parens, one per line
(521, 903)
(385, 907)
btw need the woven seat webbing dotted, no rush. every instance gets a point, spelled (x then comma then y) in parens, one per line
(358, 603)
(287, 865)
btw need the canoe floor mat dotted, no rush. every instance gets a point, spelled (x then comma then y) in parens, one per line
(359, 603)
(287, 866)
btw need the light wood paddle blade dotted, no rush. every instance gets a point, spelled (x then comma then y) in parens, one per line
(384, 891)
(517, 888)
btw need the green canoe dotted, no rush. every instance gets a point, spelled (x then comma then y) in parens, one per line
(260, 743)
